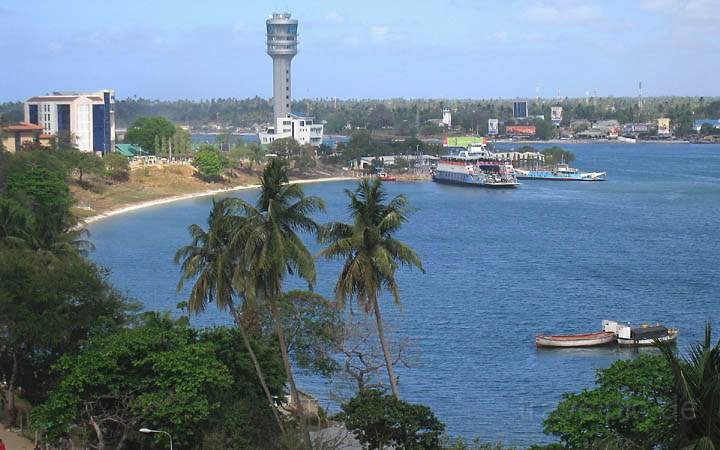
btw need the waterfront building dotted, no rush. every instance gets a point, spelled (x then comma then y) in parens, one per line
(89, 118)
(15, 135)
(447, 117)
(698, 123)
(282, 47)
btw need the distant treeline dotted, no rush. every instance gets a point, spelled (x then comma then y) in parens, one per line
(404, 115)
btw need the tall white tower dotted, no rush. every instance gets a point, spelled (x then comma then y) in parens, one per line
(281, 46)
(447, 117)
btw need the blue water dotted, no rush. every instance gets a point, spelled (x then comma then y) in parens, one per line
(503, 266)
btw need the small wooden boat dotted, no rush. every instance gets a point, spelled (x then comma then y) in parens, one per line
(576, 340)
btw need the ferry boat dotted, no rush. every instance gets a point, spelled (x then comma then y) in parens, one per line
(561, 172)
(475, 167)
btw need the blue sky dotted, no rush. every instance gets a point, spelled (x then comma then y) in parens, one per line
(363, 49)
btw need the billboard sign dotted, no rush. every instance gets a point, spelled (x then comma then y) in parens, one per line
(462, 141)
(526, 130)
(663, 127)
(556, 115)
(520, 110)
(635, 128)
(493, 126)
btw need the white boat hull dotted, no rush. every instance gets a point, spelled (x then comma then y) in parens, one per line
(589, 340)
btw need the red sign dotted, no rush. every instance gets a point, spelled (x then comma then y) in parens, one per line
(520, 129)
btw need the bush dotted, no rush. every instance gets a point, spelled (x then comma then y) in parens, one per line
(117, 166)
(208, 163)
(378, 420)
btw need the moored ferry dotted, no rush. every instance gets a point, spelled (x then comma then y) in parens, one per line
(475, 167)
(561, 172)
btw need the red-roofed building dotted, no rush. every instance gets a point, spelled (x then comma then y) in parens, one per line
(16, 135)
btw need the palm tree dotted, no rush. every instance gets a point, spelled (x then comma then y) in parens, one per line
(268, 247)
(697, 386)
(208, 262)
(372, 255)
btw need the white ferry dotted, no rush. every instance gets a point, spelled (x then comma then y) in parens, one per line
(475, 167)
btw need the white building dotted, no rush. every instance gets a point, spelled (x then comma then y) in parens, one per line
(301, 128)
(89, 118)
(447, 117)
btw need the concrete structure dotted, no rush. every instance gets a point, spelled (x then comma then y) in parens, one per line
(16, 135)
(365, 162)
(281, 46)
(698, 123)
(302, 128)
(89, 118)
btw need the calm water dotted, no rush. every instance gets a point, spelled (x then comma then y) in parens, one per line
(503, 266)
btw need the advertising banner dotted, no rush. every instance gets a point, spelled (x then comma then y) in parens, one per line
(663, 126)
(462, 141)
(556, 115)
(527, 130)
(493, 126)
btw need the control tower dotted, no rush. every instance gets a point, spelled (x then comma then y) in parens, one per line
(281, 46)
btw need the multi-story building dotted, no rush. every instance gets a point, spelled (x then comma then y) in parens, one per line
(282, 47)
(301, 128)
(88, 118)
(17, 135)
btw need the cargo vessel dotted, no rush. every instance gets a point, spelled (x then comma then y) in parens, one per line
(475, 167)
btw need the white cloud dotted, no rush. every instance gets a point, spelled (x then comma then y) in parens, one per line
(695, 11)
(563, 12)
(334, 17)
(379, 33)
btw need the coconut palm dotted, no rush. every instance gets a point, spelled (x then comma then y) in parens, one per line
(268, 247)
(697, 386)
(207, 261)
(372, 255)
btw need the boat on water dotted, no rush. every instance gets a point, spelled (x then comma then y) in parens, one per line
(612, 332)
(385, 177)
(576, 340)
(475, 167)
(561, 172)
(642, 335)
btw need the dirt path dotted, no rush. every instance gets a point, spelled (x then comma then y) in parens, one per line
(13, 441)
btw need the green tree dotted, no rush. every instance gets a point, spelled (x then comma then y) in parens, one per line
(147, 132)
(696, 380)
(554, 155)
(372, 254)
(154, 373)
(208, 261)
(286, 148)
(49, 306)
(117, 166)
(268, 247)
(544, 129)
(81, 162)
(378, 420)
(631, 405)
(209, 163)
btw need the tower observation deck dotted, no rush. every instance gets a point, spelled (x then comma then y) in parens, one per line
(281, 46)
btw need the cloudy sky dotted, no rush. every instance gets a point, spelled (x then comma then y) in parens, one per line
(362, 49)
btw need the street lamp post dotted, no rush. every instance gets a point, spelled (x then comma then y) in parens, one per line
(148, 431)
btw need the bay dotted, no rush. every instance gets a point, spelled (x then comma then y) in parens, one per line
(502, 266)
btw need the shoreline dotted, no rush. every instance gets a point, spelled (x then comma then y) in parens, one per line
(175, 198)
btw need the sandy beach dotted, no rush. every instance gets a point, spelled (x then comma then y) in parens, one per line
(162, 201)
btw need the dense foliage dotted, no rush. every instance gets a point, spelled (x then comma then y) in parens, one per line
(555, 155)
(378, 420)
(632, 404)
(209, 163)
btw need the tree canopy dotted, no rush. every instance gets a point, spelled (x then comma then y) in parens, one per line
(147, 132)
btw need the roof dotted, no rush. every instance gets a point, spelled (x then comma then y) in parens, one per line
(22, 126)
(129, 150)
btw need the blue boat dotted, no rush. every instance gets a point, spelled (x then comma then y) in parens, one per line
(561, 172)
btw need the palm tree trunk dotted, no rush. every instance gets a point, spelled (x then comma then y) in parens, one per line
(258, 369)
(386, 351)
(294, 395)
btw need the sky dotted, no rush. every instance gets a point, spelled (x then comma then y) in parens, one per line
(362, 49)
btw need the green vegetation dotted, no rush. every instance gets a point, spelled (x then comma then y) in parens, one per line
(378, 420)
(209, 162)
(117, 166)
(631, 405)
(372, 255)
(555, 155)
(159, 136)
